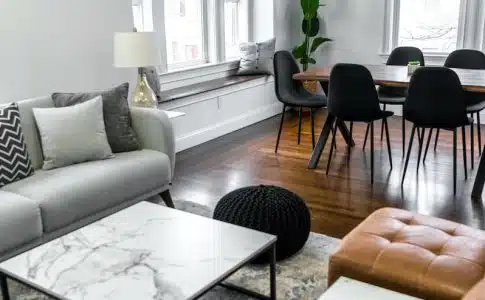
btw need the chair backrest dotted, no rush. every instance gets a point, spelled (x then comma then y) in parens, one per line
(436, 99)
(466, 59)
(352, 93)
(401, 56)
(284, 68)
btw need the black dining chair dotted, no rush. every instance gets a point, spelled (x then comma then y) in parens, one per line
(436, 100)
(353, 97)
(400, 56)
(292, 92)
(475, 102)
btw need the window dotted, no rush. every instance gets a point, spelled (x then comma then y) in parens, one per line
(138, 16)
(194, 32)
(235, 26)
(184, 32)
(431, 25)
(437, 27)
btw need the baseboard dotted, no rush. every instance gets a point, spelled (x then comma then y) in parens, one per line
(227, 126)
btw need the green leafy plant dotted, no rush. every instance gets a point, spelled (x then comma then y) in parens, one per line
(310, 27)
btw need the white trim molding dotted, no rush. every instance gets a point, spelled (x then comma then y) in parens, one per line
(219, 112)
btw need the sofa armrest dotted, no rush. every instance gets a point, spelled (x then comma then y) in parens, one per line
(477, 292)
(154, 131)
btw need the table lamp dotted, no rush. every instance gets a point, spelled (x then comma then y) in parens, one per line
(137, 50)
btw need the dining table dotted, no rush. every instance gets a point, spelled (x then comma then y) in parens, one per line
(390, 76)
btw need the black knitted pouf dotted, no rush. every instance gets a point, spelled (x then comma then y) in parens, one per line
(269, 209)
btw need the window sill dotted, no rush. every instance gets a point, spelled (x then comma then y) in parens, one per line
(197, 71)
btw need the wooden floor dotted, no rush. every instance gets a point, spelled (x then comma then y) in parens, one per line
(341, 200)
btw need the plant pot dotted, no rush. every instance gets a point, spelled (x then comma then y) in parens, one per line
(311, 86)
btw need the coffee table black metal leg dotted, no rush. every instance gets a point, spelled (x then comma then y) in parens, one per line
(272, 273)
(4, 287)
(256, 295)
(322, 140)
(479, 180)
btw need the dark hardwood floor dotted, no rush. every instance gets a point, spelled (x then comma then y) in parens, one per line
(341, 200)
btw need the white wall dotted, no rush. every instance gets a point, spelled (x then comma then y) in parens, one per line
(60, 45)
(357, 27)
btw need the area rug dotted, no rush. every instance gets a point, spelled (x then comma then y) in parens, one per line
(303, 276)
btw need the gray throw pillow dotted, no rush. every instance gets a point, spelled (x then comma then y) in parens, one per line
(257, 58)
(74, 134)
(117, 117)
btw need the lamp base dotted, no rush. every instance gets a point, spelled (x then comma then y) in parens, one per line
(143, 95)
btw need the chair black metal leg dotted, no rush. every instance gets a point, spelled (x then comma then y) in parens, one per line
(472, 147)
(463, 140)
(479, 134)
(382, 125)
(312, 118)
(386, 126)
(281, 128)
(366, 135)
(420, 148)
(430, 135)
(403, 135)
(436, 139)
(299, 124)
(351, 129)
(408, 154)
(372, 152)
(454, 161)
(419, 137)
(334, 133)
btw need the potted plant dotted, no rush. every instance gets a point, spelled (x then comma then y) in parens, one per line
(311, 28)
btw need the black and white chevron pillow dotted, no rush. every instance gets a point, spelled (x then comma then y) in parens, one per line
(15, 162)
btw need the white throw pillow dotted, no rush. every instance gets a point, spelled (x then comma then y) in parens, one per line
(257, 58)
(73, 134)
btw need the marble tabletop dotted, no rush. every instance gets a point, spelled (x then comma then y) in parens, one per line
(146, 251)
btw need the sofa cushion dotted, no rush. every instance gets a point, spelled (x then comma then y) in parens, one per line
(73, 134)
(116, 113)
(29, 127)
(419, 255)
(20, 221)
(15, 162)
(68, 194)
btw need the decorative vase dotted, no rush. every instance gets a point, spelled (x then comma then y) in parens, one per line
(143, 95)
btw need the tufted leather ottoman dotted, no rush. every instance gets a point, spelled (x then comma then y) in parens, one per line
(414, 254)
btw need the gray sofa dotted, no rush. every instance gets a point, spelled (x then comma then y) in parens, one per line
(51, 203)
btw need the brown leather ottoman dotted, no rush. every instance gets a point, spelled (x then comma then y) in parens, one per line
(414, 254)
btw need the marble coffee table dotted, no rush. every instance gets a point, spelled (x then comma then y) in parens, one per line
(146, 251)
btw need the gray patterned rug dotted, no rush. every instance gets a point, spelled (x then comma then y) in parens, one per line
(303, 276)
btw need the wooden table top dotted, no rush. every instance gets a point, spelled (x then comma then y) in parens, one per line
(397, 76)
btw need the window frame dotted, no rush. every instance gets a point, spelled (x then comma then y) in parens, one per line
(243, 18)
(213, 33)
(465, 28)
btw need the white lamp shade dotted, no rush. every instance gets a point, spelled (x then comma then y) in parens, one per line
(135, 50)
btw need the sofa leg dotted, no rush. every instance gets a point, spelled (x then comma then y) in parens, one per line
(167, 198)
